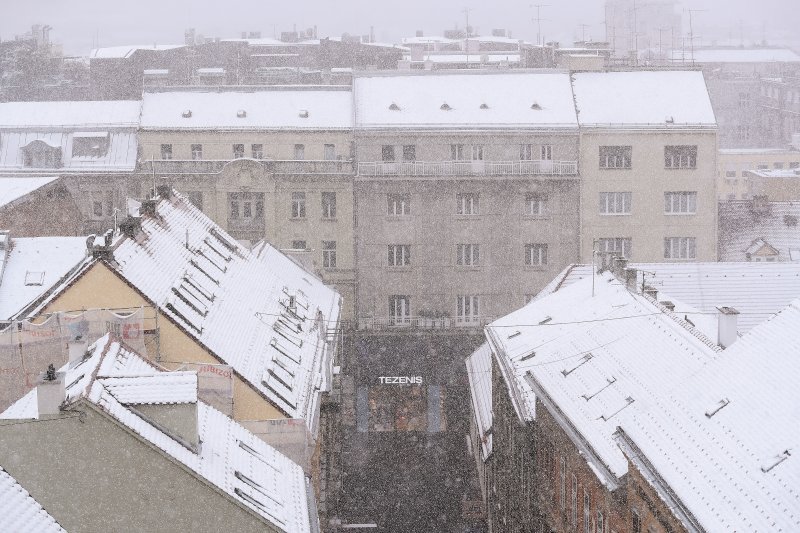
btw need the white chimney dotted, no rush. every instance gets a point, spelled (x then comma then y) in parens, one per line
(727, 327)
(77, 349)
(51, 391)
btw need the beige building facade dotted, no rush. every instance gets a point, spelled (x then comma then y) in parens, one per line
(738, 174)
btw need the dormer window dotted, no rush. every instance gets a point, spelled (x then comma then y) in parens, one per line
(89, 144)
(187, 113)
(394, 107)
(535, 106)
(304, 113)
(445, 107)
(241, 113)
(39, 154)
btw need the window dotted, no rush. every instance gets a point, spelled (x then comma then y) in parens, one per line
(101, 204)
(298, 205)
(387, 153)
(601, 522)
(615, 203)
(620, 245)
(329, 254)
(238, 151)
(546, 152)
(166, 151)
(615, 156)
(535, 254)
(329, 152)
(399, 204)
(38, 154)
(526, 152)
(197, 152)
(587, 523)
(409, 152)
(744, 99)
(196, 197)
(89, 144)
(299, 152)
(535, 204)
(777, 166)
(467, 309)
(636, 521)
(680, 157)
(257, 151)
(563, 478)
(467, 254)
(399, 309)
(730, 170)
(794, 164)
(467, 203)
(682, 202)
(679, 248)
(574, 500)
(762, 166)
(477, 152)
(298, 245)
(743, 132)
(328, 205)
(457, 152)
(246, 206)
(399, 255)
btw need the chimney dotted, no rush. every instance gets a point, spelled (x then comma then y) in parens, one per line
(77, 348)
(130, 226)
(727, 327)
(651, 292)
(618, 266)
(148, 207)
(669, 305)
(164, 191)
(51, 391)
(630, 279)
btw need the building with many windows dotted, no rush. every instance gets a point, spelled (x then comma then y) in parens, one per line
(748, 172)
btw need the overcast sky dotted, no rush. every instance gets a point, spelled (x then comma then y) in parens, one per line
(76, 23)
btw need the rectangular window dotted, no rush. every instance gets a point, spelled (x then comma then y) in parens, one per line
(636, 521)
(197, 152)
(409, 152)
(298, 245)
(89, 144)
(101, 204)
(329, 152)
(246, 206)
(196, 197)
(546, 152)
(744, 99)
(587, 523)
(601, 522)
(399, 255)
(619, 245)
(730, 170)
(399, 309)
(299, 152)
(467, 203)
(298, 205)
(467, 309)
(238, 151)
(526, 152)
(467, 254)
(743, 132)
(615, 203)
(535, 254)
(387, 153)
(233, 208)
(563, 483)
(329, 254)
(574, 500)
(680, 202)
(477, 152)
(328, 205)
(166, 151)
(535, 204)
(794, 164)
(257, 151)
(399, 204)
(680, 156)
(680, 248)
(457, 152)
(777, 166)
(615, 156)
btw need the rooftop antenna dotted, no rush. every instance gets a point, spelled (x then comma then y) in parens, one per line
(583, 31)
(538, 20)
(691, 31)
(466, 31)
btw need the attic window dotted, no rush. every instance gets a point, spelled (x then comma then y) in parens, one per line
(34, 278)
(187, 113)
(304, 113)
(394, 107)
(536, 106)
(241, 113)
(89, 144)
(484, 106)
(445, 107)
(515, 334)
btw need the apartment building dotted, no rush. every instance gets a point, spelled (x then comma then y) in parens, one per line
(648, 150)
(466, 193)
(37, 206)
(263, 164)
(748, 172)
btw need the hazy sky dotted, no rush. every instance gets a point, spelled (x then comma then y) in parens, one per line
(76, 23)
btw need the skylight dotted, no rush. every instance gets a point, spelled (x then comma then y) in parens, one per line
(34, 278)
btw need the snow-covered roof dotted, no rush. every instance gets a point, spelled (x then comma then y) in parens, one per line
(33, 266)
(756, 290)
(228, 452)
(154, 388)
(758, 151)
(258, 310)
(70, 114)
(427, 40)
(121, 52)
(741, 224)
(116, 151)
(644, 98)
(589, 358)
(458, 100)
(775, 172)
(12, 189)
(479, 372)
(19, 511)
(725, 440)
(320, 109)
(740, 55)
(471, 58)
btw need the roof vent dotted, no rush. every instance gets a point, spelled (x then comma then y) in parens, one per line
(241, 113)
(536, 106)
(304, 113)
(445, 107)
(670, 120)
(394, 107)
(484, 106)
(187, 113)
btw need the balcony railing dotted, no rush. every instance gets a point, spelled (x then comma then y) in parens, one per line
(469, 168)
(214, 166)
(418, 322)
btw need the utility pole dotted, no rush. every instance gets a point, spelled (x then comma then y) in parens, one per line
(660, 43)
(539, 21)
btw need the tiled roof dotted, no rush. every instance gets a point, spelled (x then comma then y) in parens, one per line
(19, 511)
(741, 224)
(479, 372)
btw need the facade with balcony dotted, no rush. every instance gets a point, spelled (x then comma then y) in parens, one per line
(466, 194)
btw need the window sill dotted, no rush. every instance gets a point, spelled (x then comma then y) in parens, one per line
(537, 217)
(679, 214)
(468, 268)
(615, 214)
(680, 168)
(325, 219)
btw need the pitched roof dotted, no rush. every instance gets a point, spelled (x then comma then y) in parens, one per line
(229, 455)
(643, 98)
(479, 372)
(19, 511)
(13, 189)
(121, 52)
(70, 114)
(455, 100)
(741, 224)
(725, 440)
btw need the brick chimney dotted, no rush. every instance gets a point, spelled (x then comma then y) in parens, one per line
(51, 391)
(727, 326)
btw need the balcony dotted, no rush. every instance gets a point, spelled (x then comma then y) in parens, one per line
(214, 166)
(468, 168)
(418, 322)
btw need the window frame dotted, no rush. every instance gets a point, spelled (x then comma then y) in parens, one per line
(238, 150)
(686, 202)
(685, 161)
(166, 152)
(468, 310)
(328, 204)
(615, 157)
(395, 200)
(616, 203)
(257, 150)
(466, 200)
(468, 255)
(329, 254)
(679, 244)
(298, 205)
(399, 255)
(196, 151)
(539, 250)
